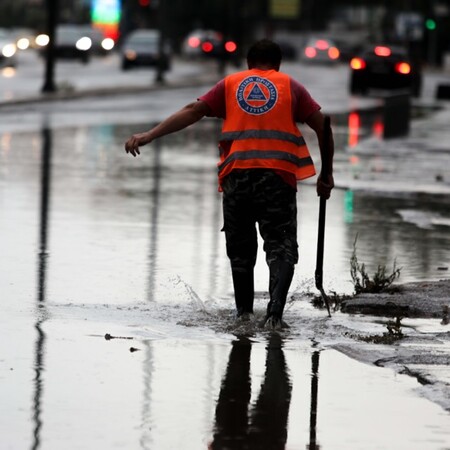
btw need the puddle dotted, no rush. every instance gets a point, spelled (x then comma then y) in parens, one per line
(267, 391)
(111, 244)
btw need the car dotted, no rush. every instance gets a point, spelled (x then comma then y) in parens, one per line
(71, 42)
(384, 67)
(101, 45)
(192, 45)
(142, 48)
(8, 49)
(321, 50)
(209, 44)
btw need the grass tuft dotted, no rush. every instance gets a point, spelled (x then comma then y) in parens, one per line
(362, 282)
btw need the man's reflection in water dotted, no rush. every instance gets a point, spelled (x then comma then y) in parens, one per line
(265, 425)
(39, 362)
(313, 445)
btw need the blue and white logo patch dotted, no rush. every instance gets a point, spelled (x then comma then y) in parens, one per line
(256, 95)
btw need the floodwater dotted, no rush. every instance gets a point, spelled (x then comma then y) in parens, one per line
(117, 304)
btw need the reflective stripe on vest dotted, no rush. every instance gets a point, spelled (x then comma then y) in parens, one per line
(266, 154)
(262, 134)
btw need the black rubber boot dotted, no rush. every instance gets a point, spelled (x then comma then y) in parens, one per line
(281, 274)
(244, 291)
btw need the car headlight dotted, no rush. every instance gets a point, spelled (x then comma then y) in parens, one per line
(8, 50)
(130, 55)
(108, 44)
(84, 43)
(23, 43)
(42, 40)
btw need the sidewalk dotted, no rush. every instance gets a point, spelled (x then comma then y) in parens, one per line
(102, 77)
(426, 300)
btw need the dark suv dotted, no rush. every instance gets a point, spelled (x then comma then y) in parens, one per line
(384, 67)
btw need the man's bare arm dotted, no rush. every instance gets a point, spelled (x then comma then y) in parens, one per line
(191, 113)
(325, 181)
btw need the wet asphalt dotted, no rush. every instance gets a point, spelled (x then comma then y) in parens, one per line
(96, 244)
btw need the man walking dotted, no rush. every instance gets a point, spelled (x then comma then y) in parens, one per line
(262, 155)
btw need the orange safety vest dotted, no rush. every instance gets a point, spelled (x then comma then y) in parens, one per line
(259, 130)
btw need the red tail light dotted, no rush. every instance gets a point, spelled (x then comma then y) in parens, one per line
(321, 44)
(333, 53)
(230, 46)
(310, 52)
(403, 68)
(194, 42)
(207, 47)
(357, 64)
(382, 51)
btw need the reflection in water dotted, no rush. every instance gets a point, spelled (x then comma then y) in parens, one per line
(382, 234)
(348, 206)
(42, 269)
(216, 212)
(155, 208)
(363, 125)
(354, 125)
(378, 128)
(383, 237)
(145, 440)
(314, 391)
(38, 385)
(265, 427)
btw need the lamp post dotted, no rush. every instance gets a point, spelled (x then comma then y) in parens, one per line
(52, 19)
(162, 63)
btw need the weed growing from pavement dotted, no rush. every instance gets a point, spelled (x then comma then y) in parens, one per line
(381, 281)
(394, 333)
(361, 280)
(334, 299)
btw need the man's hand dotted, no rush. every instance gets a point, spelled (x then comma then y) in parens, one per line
(324, 186)
(186, 116)
(137, 140)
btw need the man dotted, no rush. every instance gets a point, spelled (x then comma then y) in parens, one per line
(262, 155)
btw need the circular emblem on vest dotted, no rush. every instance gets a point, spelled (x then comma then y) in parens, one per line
(256, 95)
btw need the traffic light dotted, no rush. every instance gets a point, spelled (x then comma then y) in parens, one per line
(430, 24)
(151, 4)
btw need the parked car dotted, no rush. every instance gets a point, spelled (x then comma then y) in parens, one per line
(141, 48)
(384, 67)
(321, 50)
(8, 49)
(71, 42)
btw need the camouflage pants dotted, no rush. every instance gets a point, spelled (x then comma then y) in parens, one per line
(259, 196)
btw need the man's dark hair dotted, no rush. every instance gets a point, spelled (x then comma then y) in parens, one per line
(264, 52)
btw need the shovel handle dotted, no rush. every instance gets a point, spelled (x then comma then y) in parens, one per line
(322, 210)
(322, 215)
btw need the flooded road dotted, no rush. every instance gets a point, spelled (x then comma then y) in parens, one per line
(95, 243)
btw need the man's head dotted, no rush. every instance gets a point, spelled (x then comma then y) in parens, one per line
(264, 54)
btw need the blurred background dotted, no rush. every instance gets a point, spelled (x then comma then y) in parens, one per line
(421, 26)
